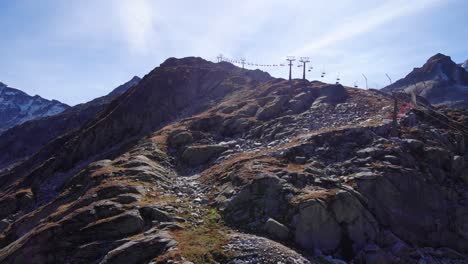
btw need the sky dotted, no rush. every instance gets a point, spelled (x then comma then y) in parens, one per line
(74, 51)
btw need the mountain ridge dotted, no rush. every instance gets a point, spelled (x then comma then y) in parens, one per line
(24, 140)
(207, 162)
(440, 80)
(17, 107)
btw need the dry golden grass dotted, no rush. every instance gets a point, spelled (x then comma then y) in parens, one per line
(323, 194)
(204, 243)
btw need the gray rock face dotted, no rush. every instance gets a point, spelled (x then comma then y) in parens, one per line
(180, 138)
(154, 214)
(301, 102)
(316, 227)
(140, 250)
(119, 226)
(272, 109)
(332, 93)
(197, 155)
(359, 225)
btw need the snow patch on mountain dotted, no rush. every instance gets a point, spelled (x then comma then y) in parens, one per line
(17, 107)
(465, 65)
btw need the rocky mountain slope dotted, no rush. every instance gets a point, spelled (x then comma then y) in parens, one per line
(17, 107)
(440, 80)
(207, 163)
(26, 139)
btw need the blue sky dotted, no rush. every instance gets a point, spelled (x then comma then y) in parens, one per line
(74, 51)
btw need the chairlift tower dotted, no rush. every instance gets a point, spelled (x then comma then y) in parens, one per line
(220, 57)
(242, 62)
(365, 78)
(290, 59)
(304, 61)
(389, 79)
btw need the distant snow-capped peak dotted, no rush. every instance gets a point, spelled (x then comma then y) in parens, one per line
(17, 107)
(465, 65)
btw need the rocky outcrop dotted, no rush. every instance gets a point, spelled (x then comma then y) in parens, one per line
(197, 155)
(357, 202)
(140, 250)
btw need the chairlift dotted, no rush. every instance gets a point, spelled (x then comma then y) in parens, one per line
(355, 85)
(323, 73)
(299, 66)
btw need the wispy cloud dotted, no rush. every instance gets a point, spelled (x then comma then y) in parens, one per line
(365, 22)
(137, 21)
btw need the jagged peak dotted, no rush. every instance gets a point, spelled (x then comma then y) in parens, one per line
(135, 78)
(439, 59)
(439, 56)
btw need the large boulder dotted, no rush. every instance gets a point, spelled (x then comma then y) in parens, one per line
(276, 229)
(180, 138)
(115, 227)
(272, 109)
(151, 213)
(332, 94)
(359, 224)
(316, 228)
(301, 102)
(197, 155)
(140, 250)
(236, 125)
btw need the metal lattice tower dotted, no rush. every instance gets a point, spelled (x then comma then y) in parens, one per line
(304, 60)
(290, 59)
